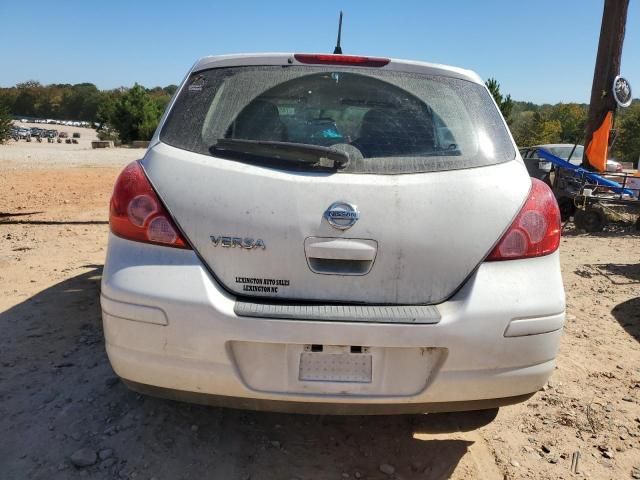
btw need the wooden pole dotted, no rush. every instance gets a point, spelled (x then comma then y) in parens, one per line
(614, 19)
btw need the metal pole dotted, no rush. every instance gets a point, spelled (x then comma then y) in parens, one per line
(614, 19)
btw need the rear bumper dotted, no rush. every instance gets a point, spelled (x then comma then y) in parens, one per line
(169, 325)
(317, 408)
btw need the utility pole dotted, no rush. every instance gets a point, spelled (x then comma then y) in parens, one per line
(614, 19)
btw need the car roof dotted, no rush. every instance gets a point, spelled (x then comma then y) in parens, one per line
(552, 145)
(247, 59)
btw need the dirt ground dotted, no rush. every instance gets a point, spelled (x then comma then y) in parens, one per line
(58, 394)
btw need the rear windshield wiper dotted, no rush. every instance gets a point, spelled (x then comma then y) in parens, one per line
(300, 153)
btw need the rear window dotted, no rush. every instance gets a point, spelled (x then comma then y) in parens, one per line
(565, 151)
(385, 121)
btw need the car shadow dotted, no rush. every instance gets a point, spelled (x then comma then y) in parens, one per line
(53, 222)
(59, 394)
(628, 315)
(616, 273)
(611, 230)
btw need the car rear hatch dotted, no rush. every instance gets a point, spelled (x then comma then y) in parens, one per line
(429, 185)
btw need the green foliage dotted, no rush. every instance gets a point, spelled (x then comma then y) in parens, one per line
(627, 146)
(135, 115)
(572, 118)
(504, 103)
(533, 124)
(5, 123)
(535, 128)
(170, 89)
(82, 101)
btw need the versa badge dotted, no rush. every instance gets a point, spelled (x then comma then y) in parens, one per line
(232, 242)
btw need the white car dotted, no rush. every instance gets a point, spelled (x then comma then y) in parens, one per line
(564, 150)
(333, 233)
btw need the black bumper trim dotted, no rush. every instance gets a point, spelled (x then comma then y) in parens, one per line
(409, 314)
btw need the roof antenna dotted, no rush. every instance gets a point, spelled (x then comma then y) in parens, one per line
(338, 49)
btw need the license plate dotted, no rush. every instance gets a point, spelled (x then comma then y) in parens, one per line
(335, 367)
(544, 166)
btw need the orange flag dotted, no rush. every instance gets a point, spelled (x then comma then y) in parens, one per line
(597, 149)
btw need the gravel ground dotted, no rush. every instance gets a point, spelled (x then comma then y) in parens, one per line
(64, 414)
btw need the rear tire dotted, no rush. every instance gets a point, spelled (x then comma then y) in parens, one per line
(590, 220)
(567, 208)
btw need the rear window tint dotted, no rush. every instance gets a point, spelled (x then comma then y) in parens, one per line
(387, 122)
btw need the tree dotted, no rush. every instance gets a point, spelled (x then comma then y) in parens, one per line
(107, 107)
(170, 89)
(535, 128)
(504, 103)
(135, 115)
(572, 118)
(627, 146)
(5, 123)
(80, 102)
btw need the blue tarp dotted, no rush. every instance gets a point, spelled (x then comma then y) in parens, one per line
(583, 172)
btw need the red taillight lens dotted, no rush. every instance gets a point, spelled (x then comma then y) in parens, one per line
(326, 59)
(136, 213)
(535, 231)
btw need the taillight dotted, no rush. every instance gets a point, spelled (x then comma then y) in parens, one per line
(136, 213)
(327, 59)
(535, 231)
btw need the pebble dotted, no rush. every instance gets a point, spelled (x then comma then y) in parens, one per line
(357, 475)
(606, 452)
(515, 463)
(84, 457)
(635, 472)
(194, 428)
(107, 463)
(275, 443)
(387, 469)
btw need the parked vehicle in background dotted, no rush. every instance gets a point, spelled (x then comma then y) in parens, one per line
(538, 168)
(329, 233)
(541, 169)
(613, 166)
(36, 132)
(63, 134)
(24, 133)
(76, 134)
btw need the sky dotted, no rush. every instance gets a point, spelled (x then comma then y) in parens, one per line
(539, 50)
